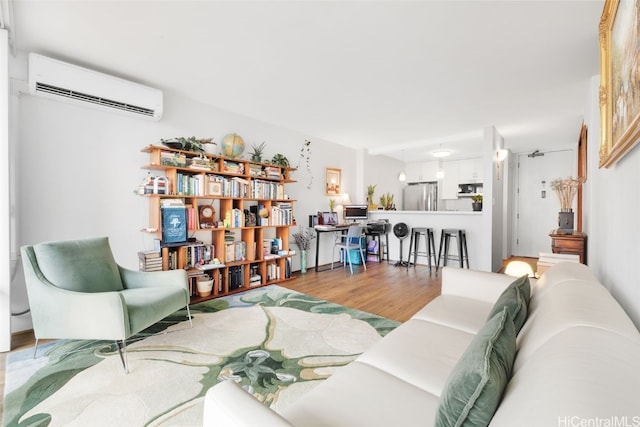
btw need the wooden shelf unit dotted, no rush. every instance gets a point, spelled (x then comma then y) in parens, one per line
(245, 198)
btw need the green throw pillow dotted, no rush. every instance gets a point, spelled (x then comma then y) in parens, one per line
(475, 385)
(516, 298)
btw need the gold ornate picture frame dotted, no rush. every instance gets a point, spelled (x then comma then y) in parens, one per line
(332, 182)
(619, 80)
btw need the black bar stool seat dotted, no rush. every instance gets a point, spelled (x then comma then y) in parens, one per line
(461, 237)
(414, 246)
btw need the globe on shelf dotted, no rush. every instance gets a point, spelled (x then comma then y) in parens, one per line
(232, 145)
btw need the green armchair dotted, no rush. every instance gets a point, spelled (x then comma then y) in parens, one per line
(76, 290)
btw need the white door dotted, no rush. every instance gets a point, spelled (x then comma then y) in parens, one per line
(537, 205)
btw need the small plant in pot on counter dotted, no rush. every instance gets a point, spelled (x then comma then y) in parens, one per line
(476, 202)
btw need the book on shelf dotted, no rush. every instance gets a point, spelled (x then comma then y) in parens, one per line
(174, 225)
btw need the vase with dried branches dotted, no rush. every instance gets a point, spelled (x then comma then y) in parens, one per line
(566, 189)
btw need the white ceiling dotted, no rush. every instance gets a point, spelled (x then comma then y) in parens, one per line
(400, 78)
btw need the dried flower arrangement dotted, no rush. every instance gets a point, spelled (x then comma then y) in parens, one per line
(303, 238)
(566, 190)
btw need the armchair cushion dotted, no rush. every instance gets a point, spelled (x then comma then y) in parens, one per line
(146, 306)
(95, 269)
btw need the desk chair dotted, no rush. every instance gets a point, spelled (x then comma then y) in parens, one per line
(353, 240)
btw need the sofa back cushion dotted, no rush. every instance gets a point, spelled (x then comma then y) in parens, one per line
(475, 385)
(79, 265)
(516, 299)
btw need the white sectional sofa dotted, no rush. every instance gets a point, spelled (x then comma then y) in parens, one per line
(577, 363)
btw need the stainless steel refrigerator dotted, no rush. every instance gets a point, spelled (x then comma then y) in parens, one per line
(420, 196)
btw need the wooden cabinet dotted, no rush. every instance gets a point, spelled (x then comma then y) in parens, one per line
(575, 243)
(236, 208)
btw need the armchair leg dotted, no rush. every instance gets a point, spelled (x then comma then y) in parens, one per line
(35, 349)
(189, 316)
(122, 349)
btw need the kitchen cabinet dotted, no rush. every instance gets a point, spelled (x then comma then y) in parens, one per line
(421, 171)
(470, 171)
(449, 184)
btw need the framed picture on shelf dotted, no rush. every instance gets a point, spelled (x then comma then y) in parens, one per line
(619, 80)
(215, 188)
(332, 181)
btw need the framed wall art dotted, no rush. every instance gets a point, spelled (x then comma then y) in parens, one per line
(619, 80)
(332, 182)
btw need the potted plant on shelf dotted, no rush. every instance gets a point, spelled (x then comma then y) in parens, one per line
(476, 202)
(256, 155)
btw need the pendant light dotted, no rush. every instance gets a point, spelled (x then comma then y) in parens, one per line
(402, 177)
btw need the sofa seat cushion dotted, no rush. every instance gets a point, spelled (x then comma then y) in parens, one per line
(362, 395)
(420, 353)
(146, 305)
(516, 299)
(94, 268)
(580, 374)
(476, 384)
(456, 312)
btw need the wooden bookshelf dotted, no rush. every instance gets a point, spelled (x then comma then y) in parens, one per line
(236, 190)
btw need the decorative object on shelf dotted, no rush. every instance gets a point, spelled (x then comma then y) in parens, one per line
(386, 201)
(280, 160)
(305, 154)
(207, 216)
(619, 92)
(566, 190)
(476, 202)
(303, 240)
(332, 205)
(256, 154)
(250, 219)
(209, 146)
(204, 285)
(332, 181)
(189, 144)
(232, 145)
(371, 189)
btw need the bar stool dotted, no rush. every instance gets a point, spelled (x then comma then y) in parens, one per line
(461, 237)
(414, 246)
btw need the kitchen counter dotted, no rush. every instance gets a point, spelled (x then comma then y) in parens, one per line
(478, 242)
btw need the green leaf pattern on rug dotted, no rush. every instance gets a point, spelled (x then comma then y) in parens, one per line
(276, 342)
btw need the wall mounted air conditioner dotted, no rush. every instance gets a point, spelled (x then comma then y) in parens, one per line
(66, 82)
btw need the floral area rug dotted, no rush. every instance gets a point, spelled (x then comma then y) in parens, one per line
(276, 342)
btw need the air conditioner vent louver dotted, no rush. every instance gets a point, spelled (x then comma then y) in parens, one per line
(68, 93)
(67, 82)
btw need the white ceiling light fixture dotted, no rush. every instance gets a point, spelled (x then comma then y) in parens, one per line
(441, 153)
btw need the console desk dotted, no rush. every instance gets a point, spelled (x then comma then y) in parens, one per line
(327, 229)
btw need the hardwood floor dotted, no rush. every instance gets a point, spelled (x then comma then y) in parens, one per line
(392, 292)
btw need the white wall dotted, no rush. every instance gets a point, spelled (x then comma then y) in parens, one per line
(77, 168)
(381, 171)
(611, 217)
(5, 200)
